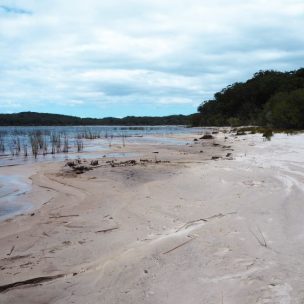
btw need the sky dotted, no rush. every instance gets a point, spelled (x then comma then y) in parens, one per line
(99, 58)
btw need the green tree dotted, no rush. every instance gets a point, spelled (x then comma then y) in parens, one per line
(286, 110)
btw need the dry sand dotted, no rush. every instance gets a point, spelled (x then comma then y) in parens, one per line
(190, 230)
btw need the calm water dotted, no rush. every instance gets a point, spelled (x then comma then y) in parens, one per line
(103, 130)
(17, 144)
(16, 148)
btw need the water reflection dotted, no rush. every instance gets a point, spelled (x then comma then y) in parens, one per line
(12, 199)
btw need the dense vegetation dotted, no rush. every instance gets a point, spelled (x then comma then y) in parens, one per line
(44, 119)
(270, 98)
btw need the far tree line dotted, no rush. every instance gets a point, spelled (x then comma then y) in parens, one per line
(47, 119)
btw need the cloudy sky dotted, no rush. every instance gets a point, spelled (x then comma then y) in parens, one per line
(139, 57)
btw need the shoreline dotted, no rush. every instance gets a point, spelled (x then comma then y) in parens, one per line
(181, 228)
(98, 148)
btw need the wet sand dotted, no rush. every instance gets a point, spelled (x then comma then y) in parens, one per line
(184, 229)
(14, 184)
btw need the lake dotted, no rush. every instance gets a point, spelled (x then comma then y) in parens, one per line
(27, 144)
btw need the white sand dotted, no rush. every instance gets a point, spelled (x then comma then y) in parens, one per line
(189, 231)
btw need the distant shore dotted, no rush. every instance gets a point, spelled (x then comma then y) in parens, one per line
(216, 218)
(48, 119)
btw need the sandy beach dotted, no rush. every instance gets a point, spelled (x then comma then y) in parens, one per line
(214, 221)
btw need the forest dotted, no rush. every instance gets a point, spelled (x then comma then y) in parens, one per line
(270, 98)
(46, 119)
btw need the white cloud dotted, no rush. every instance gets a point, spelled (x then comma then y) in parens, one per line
(162, 52)
(174, 101)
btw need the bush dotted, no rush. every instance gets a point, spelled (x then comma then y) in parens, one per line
(268, 134)
(286, 110)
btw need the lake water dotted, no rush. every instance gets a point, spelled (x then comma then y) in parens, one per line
(60, 143)
(26, 144)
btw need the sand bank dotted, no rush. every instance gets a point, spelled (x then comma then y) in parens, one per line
(178, 228)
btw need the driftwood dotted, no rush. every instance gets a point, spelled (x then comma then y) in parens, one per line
(94, 162)
(145, 161)
(189, 224)
(80, 166)
(73, 163)
(261, 240)
(178, 246)
(70, 164)
(79, 169)
(32, 281)
(106, 230)
(11, 251)
(207, 136)
(16, 257)
(126, 163)
(61, 216)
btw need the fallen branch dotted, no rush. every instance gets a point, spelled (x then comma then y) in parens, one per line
(16, 257)
(207, 136)
(261, 240)
(219, 215)
(126, 163)
(61, 216)
(106, 230)
(11, 251)
(188, 224)
(185, 226)
(178, 246)
(33, 281)
(264, 241)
